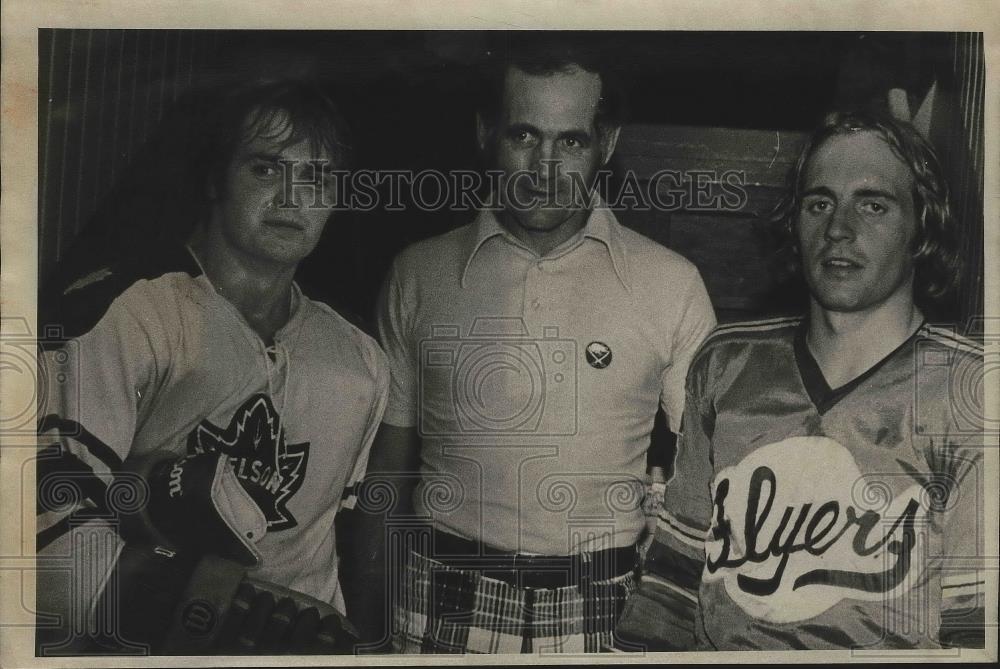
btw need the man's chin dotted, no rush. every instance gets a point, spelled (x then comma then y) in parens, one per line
(857, 297)
(847, 302)
(543, 220)
(287, 256)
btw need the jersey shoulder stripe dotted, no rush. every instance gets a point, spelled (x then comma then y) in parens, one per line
(759, 324)
(77, 308)
(745, 332)
(951, 339)
(752, 328)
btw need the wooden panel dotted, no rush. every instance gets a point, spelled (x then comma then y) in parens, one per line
(732, 255)
(101, 94)
(763, 155)
(733, 246)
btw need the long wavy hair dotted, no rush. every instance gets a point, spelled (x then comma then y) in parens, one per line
(937, 264)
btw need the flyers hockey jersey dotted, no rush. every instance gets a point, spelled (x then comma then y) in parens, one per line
(152, 361)
(804, 517)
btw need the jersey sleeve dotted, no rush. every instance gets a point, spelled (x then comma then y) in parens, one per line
(963, 575)
(668, 596)
(394, 327)
(94, 385)
(379, 365)
(958, 497)
(697, 320)
(948, 413)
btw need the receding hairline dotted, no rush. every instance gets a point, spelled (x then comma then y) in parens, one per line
(567, 70)
(570, 69)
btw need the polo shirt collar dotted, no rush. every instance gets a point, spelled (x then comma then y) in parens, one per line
(601, 226)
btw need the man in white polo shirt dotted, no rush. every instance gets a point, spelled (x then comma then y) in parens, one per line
(530, 351)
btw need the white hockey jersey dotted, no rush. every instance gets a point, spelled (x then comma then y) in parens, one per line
(154, 362)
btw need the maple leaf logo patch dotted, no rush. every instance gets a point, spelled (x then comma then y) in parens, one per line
(270, 470)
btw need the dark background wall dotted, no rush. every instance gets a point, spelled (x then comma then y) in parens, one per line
(114, 104)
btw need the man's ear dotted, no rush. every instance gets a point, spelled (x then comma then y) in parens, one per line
(609, 140)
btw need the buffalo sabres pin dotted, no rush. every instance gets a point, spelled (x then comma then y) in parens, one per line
(598, 354)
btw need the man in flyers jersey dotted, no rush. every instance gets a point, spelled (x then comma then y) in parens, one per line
(199, 402)
(828, 487)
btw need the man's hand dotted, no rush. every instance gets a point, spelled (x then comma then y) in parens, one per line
(172, 606)
(196, 505)
(652, 504)
(395, 459)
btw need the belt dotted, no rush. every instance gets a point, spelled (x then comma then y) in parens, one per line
(533, 571)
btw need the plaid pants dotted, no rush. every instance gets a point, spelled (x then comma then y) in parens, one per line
(441, 609)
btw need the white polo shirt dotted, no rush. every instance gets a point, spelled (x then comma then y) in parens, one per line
(534, 381)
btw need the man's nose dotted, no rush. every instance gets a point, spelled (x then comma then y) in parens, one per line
(546, 161)
(283, 196)
(841, 224)
(297, 187)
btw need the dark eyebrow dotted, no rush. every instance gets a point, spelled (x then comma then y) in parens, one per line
(863, 192)
(819, 190)
(266, 157)
(876, 192)
(578, 134)
(522, 127)
(581, 136)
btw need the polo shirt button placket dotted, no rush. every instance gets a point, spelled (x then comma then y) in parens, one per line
(532, 297)
(540, 265)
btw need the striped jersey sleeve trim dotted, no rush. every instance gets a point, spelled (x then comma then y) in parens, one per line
(952, 339)
(962, 585)
(44, 537)
(756, 326)
(684, 533)
(961, 579)
(80, 518)
(663, 583)
(762, 323)
(70, 476)
(72, 429)
(955, 591)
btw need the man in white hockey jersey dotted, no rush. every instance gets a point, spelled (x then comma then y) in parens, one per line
(198, 400)
(828, 486)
